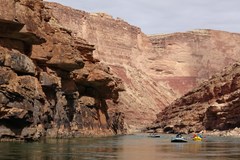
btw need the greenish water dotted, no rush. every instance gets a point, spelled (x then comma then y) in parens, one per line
(132, 147)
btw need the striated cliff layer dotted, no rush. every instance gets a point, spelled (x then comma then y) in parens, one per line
(61, 48)
(155, 69)
(126, 50)
(50, 83)
(184, 60)
(215, 104)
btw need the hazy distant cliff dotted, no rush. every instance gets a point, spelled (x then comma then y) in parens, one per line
(185, 59)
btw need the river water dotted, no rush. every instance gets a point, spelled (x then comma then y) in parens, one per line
(131, 147)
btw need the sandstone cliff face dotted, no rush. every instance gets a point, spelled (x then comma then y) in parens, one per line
(184, 60)
(215, 104)
(126, 50)
(155, 69)
(50, 83)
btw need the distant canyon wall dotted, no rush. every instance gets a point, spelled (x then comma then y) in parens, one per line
(184, 60)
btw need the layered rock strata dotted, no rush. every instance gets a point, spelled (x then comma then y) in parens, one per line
(214, 105)
(126, 50)
(50, 83)
(184, 60)
(155, 69)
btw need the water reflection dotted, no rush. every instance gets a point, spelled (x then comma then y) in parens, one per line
(62, 149)
(137, 147)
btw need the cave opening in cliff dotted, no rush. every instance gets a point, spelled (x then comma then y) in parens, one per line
(50, 93)
(71, 105)
(16, 125)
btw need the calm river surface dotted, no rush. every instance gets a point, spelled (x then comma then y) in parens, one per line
(131, 147)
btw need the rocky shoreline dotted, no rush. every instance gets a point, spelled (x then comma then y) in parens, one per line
(228, 133)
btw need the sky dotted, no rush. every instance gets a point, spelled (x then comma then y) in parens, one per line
(167, 16)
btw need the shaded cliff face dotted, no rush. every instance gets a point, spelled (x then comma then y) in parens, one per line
(183, 60)
(50, 84)
(212, 105)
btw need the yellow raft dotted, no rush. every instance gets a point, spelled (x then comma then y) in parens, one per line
(197, 138)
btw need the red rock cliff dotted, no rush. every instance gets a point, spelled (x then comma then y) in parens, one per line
(50, 83)
(155, 69)
(126, 50)
(212, 105)
(183, 60)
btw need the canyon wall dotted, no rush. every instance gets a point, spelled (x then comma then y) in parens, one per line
(155, 69)
(125, 49)
(50, 83)
(184, 60)
(80, 63)
(213, 105)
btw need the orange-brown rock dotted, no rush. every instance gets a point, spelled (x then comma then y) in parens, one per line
(42, 89)
(61, 47)
(184, 60)
(126, 50)
(155, 69)
(212, 105)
